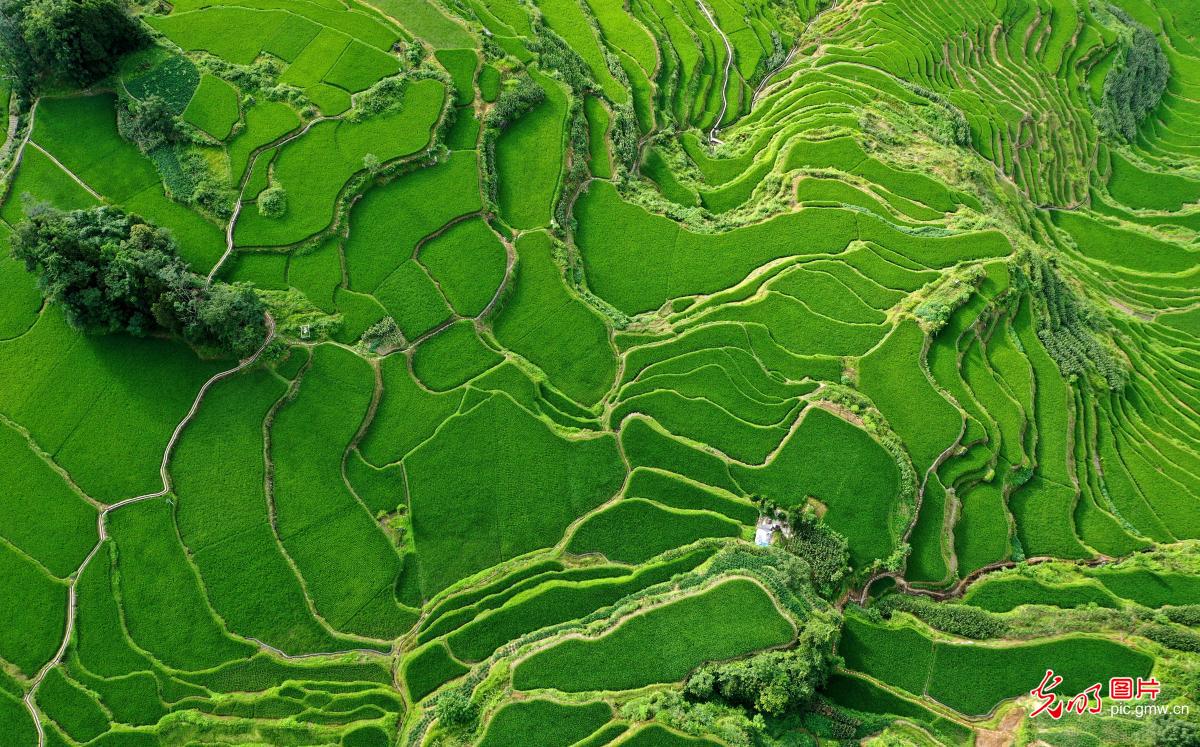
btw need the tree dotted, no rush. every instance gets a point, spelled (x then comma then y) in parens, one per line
(148, 123)
(69, 41)
(114, 272)
(272, 203)
(772, 682)
(454, 708)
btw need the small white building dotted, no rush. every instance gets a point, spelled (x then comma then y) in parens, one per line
(764, 531)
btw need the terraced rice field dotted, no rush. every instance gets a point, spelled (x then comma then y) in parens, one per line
(671, 372)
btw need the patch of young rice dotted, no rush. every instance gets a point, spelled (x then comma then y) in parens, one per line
(34, 606)
(672, 490)
(331, 100)
(457, 618)
(424, 19)
(557, 601)
(429, 669)
(345, 558)
(317, 273)
(706, 422)
(845, 469)
(981, 534)
(407, 414)
(1150, 190)
(15, 721)
(389, 221)
(20, 299)
(266, 121)
(165, 608)
(360, 67)
(217, 470)
(893, 378)
(489, 83)
(358, 312)
(900, 656)
(452, 357)
(39, 513)
(647, 444)
(108, 422)
(1002, 594)
(552, 328)
(637, 261)
(214, 107)
(100, 642)
(974, 679)
(655, 735)
(291, 37)
(635, 530)
(314, 168)
(600, 161)
(662, 644)
(544, 722)
(461, 64)
(1150, 589)
(1130, 250)
(413, 300)
(208, 30)
(516, 495)
(529, 157)
(40, 180)
(71, 708)
(468, 263)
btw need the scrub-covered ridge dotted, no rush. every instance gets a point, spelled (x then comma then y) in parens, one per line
(584, 372)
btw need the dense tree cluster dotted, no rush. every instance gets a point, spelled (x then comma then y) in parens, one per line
(454, 708)
(772, 682)
(114, 272)
(69, 41)
(514, 102)
(1135, 84)
(272, 203)
(955, 619)
(1069, 327)
(148, 123)
(826, 551)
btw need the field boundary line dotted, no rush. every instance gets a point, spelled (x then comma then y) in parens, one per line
(28, 698)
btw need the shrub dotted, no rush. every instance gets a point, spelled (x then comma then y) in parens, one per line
(956, 619)
(385, 96)
(1172, 732)
(1187, 614)
(454, 708)
(1171, 637)
(148, 124)
(515, 101)
(272, 203)
(114, 272)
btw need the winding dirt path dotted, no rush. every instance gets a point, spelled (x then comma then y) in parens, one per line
(712, 134)
(28, 698)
